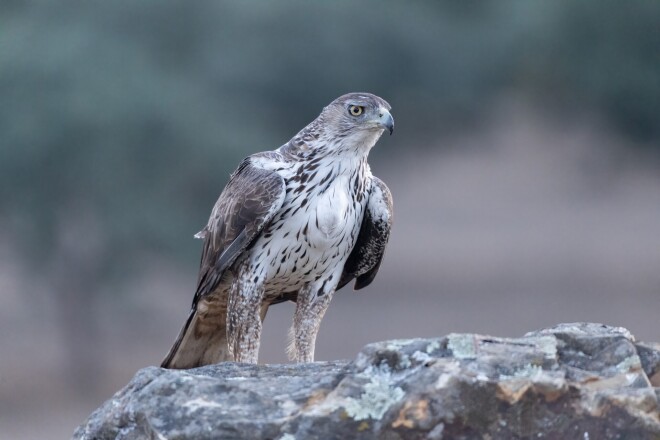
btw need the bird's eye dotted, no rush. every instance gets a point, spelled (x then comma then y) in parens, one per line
(356, 110)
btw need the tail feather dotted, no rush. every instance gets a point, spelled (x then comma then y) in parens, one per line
(202, 340)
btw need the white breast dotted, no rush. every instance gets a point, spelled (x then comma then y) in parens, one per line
(314, 235)
(332, 208)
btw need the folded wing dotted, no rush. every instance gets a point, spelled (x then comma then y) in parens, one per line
(248, 203)
(365, 258)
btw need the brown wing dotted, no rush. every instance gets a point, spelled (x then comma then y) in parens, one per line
(248, 203)
(365, 258)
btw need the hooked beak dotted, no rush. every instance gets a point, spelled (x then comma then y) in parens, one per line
(385, 119)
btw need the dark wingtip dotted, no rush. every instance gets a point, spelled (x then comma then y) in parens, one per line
(362, 281)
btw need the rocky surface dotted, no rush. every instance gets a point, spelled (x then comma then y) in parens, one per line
(573, 381)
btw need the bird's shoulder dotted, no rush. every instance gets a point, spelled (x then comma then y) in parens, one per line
(272, 161)
(381, 203)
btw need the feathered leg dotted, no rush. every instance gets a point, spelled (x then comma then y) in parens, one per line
(313, 300)
(244, 317)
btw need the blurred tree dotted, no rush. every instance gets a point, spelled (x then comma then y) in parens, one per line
(120, 121)
(604, 56)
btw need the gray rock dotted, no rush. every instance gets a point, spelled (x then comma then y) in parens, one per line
(573, 381)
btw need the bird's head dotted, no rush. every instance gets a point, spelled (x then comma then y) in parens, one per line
(352, 122)
(358, 115)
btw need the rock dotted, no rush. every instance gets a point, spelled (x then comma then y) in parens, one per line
(573, 381)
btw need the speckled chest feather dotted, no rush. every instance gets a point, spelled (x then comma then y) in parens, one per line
(317, 226)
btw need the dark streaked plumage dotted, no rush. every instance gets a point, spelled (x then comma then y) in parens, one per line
(292, 224)
(365, 258)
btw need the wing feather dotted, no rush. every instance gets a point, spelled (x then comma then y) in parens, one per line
(367, 254)
(248, 203)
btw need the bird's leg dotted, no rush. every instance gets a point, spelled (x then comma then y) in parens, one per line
(243, 316)
(313, 300)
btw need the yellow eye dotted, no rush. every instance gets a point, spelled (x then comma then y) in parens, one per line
(356, 110)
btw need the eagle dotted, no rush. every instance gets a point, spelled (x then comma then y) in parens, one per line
(293, 224)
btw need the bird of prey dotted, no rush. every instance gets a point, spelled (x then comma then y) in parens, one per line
(293, 224)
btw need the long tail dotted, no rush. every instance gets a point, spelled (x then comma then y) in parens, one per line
(202, 340)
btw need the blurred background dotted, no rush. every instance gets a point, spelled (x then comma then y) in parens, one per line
(525, 169)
